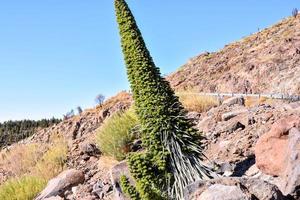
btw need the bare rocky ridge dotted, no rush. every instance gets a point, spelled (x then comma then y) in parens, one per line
(265, 62)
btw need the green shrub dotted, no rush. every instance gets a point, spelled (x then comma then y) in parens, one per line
(173, 156)
(115, 135)
(24, 188)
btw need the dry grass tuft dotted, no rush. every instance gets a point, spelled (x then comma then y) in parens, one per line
(42, 160)
(20, 159)
(53, 161)
(254, 101)
(197, 103)
(31, 166)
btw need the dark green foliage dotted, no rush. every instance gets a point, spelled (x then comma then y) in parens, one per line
(149, 176)
(14, 131)
(172, 156)
(129, 189)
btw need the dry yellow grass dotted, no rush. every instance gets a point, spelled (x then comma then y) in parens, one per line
(53, 160)
(254, 101)
(21, 158)
(195, 102)
(41, 160)
(31, 166)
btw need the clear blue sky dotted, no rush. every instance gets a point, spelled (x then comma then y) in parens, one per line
(59, 54)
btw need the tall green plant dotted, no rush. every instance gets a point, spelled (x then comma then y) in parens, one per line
(173, 157)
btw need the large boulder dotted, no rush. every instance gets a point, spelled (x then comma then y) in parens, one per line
(228, 115)
(291, 175)
(116, 172)
(234, 100)
(90, 149)
(64, 181)
(272, 148)
(205, 124)
(233, 189)
(278, 153)
(223, 192)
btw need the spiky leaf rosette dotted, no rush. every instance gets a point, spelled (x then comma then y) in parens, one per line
(171, 144)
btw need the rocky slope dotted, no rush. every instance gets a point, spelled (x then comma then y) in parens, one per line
(83, 154)
(256, 150)
(264, 62)
(231, 130)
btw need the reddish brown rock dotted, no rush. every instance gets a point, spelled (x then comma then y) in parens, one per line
(271, 150)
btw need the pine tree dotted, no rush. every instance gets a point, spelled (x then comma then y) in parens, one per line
(173, 156)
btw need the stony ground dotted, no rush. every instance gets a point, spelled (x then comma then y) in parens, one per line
(232, 135)
(231, 132)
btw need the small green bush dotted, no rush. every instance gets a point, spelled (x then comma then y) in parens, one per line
(24, 188)
(115, 136)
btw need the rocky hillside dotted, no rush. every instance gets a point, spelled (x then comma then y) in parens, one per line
(82, 154)
(264, 62)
